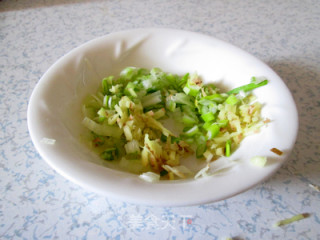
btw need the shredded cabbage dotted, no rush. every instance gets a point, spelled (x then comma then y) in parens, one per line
(125, 118)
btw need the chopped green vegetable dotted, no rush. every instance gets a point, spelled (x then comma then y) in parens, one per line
(109, 154)
(201, 142)
(182, 98)
(126, 119)
(292, 219)
(192, 86)
(209, 116)
(213, 131)
(102, 129)
(232, 100)
(163, 173)
(228, 148)
(192, 131)
(216, 97)
(151, 99)
(248, 87)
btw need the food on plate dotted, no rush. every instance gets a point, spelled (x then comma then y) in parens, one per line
(128, 121)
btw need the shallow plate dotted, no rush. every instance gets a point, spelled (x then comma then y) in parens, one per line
(54, 112)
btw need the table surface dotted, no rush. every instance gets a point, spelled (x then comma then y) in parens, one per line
(38, 203)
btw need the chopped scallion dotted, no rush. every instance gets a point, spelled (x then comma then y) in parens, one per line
(228, 148)
(126, 120)
(248, 87)
(291, 220)
(232, 100)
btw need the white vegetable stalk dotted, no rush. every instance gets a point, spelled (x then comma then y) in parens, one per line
(258, 161)
(132, 147)
(203, 172)
(103, 130)
(150, 177)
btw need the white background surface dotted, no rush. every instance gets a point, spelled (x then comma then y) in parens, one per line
(37, 203)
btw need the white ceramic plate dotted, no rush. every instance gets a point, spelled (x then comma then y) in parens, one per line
(55, 112)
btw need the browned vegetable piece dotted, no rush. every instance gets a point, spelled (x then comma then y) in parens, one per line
(276, 151)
